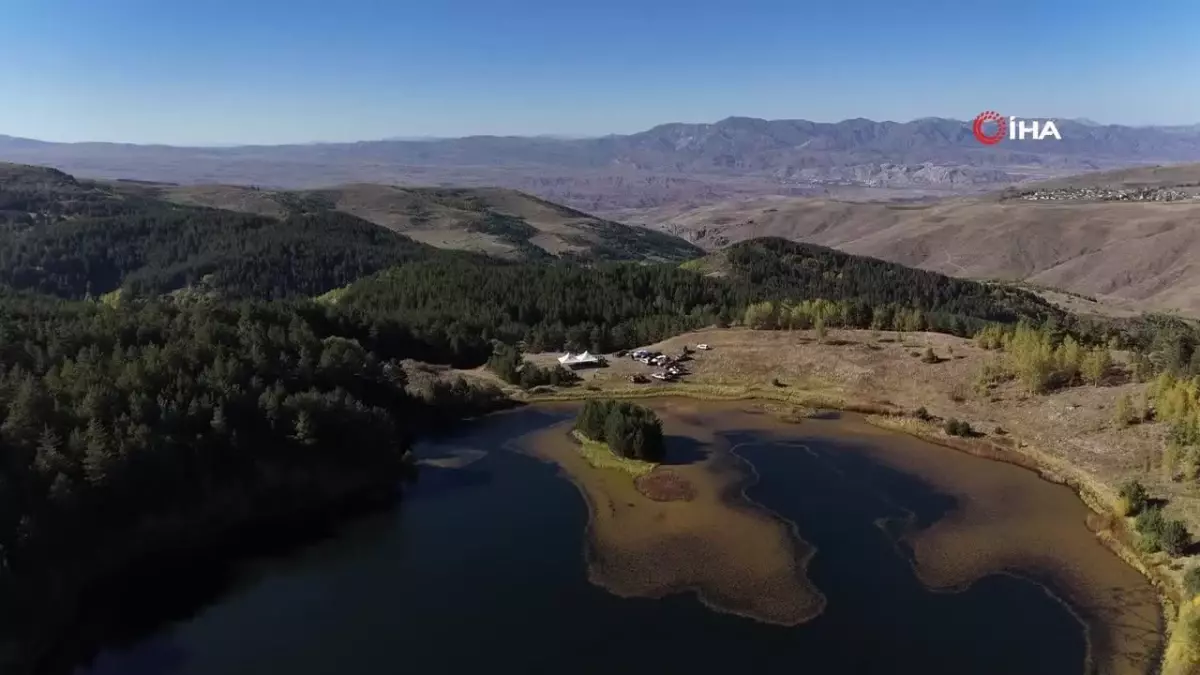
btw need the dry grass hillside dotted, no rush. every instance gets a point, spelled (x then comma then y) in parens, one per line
(487, 220)
(1143, 252)
(1170, 175)
(1071, 432)
(885, 371)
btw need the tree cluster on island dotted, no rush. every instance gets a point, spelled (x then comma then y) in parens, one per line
(630, 430)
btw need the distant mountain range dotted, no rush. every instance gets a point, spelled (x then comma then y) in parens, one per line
(670, 164)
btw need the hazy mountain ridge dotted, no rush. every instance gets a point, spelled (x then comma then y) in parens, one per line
(668, 164)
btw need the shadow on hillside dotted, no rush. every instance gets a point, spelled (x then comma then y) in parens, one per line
(1116, 377)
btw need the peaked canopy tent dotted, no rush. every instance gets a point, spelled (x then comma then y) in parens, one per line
(583, 358)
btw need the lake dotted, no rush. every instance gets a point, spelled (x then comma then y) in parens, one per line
(827, 546)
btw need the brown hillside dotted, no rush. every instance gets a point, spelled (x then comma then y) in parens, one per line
(1171, 175)
(487, 220)
(1126, 251)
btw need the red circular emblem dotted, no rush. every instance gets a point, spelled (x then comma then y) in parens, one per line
(993, 138)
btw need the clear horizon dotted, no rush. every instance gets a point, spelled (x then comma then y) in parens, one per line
(553, 136)
(274, 72)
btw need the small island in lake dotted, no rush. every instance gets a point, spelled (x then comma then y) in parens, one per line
(627, 436)
(667, 513)
(630, 430)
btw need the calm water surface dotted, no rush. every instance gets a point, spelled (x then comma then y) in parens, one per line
(482, 569)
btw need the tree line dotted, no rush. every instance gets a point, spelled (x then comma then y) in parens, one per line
(509, 365)
(607, 306)
(124, 430)
(169, 247)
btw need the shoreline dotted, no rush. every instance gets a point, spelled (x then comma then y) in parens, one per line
(1035, 462)
(1110, 532)
(635, 546)
(62, 641)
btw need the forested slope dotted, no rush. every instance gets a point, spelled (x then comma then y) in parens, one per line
(169, 425)
(73, 240)
(501, 222)
(611, 306)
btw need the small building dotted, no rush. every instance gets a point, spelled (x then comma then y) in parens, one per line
(581, 360)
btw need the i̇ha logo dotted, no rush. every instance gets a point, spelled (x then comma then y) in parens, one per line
(1012, 128)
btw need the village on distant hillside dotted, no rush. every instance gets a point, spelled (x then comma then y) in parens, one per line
(1109, 195)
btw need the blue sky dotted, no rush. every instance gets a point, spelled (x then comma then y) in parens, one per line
(274, 71)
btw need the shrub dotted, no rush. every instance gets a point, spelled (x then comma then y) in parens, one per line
(1150, 524)
(922, 414)
(990, 374)
(1150, 519)
(1160, 534)
(1191, 581)
(1123, 415)
(506, 361)
(532, 376)
(957, 427)
(819, 328)
(1135, 496)
(991, 337)
(1175, 537)
(1096, 364)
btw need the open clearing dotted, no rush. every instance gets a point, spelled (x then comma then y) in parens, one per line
(1069, 434)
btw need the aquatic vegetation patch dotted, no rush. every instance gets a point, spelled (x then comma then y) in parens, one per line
(665, 486)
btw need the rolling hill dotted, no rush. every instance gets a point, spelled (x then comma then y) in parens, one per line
(74, 238)
(1141, 252)
(486, 220)
(494, 221)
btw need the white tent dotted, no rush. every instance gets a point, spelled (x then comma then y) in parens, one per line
(570, 359)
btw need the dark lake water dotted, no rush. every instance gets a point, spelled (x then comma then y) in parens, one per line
(482, 569)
